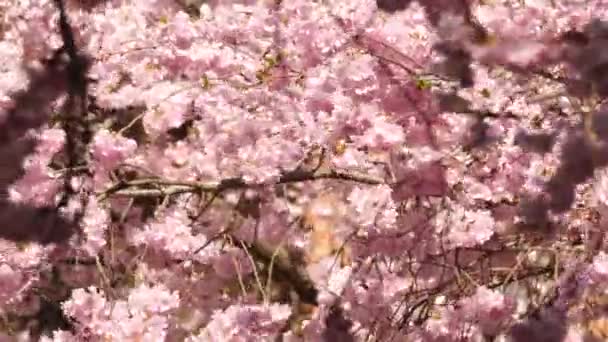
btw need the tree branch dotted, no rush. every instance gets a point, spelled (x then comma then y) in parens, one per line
(157, 187)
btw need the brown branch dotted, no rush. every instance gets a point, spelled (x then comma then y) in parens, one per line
(156, 187)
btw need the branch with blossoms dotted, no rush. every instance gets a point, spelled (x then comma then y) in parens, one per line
(419, 303)
(284, 265)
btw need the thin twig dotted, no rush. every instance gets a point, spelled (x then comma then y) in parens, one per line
(258, 280)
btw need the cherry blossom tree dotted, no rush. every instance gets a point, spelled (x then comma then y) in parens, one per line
(290, 170)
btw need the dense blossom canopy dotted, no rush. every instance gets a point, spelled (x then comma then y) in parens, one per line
(303, 170)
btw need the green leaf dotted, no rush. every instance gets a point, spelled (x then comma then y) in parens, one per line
(423, 84)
